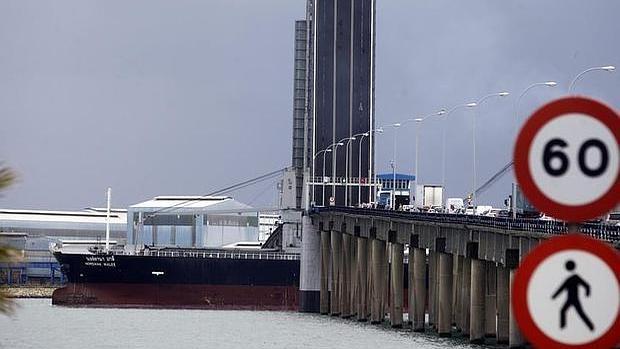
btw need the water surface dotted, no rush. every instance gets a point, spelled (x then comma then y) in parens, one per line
(38, 324)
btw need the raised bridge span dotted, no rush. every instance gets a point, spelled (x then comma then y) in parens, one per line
(378, 265)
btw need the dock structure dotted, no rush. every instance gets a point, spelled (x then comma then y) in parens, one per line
(456, 269)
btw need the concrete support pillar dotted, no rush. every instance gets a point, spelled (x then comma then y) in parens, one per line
(377, 278)
(478, 291)
(345, 277)
(466, 296)
(446, 266)
(336, 248)
(458, 284)
(353, 285)
(396, 285)
(310, 268)
(490, 300)
(455, 288)
(385, 284)
(503, 304)
(369, 279)
(515, 339)
(362, 278)
(419, 289)
(432, 290)
(410, 292)
(325, 256)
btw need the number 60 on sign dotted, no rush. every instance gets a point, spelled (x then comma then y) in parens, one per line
(566, 159)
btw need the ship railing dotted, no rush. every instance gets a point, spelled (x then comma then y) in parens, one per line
(225, 255)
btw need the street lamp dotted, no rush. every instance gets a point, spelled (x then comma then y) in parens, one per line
(516, 117)
(314, 169)
(346, 175)
(473, 118)
(334, 162)
(608, 68)
(443, 139)
(393, 164)
(370, 167)
(418, 122)
(328, 150)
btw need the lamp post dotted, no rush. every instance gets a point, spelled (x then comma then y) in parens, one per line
(334, 162)
(418, 122)
(323, 179)
(327, 150)
(608, 68)
(473, 119)
(393, 164)
(443, 139)
(346, 176)
(516, 117)
(370, 167)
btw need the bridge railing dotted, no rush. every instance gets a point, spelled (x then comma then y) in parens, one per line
(600, 231)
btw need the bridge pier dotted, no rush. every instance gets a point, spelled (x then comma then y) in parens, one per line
(458, 286)
(490, 301)
(419, 288)
(362, 271)
(377, 277)
(336, 238)
(478, 290)
(446, 266)
(354, 299)
(465, 295)
(310, 269)
(396, 285)
(503, 304)
(432, 289)
(325, 256)
(515, 339)
(345, 297)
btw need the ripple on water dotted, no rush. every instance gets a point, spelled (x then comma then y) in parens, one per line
(38, 324)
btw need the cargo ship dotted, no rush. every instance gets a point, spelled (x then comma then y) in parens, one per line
(170, 277)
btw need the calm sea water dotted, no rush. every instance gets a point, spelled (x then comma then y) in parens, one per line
(38, 324)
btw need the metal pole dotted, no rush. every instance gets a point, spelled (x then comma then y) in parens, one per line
(473, 187)
(107, 221)
(323, 180)
(335, 158)
(417, 134)
(359, 173)
(394, 173)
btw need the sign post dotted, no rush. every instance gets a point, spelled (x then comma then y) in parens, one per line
(566, 292)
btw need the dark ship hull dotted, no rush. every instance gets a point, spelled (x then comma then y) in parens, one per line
(204, 279)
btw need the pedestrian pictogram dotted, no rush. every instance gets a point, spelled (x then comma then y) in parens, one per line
(571, 287)
(566, 294)
(566, 159)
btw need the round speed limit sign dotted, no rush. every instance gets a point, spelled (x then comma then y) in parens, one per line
(566, 159)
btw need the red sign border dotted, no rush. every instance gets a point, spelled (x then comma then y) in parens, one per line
(542, 116)
(523, 276)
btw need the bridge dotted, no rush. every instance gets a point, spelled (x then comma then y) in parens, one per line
(442, 272)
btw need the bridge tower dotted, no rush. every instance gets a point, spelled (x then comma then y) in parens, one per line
(333, 100)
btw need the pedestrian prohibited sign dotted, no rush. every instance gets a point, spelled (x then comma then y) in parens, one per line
(567, 159)
(566, 294)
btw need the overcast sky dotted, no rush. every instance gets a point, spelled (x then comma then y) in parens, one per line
(183, 97)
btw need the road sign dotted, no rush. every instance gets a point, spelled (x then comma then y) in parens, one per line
(332, 201)
(566, 294)
(566, 159)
